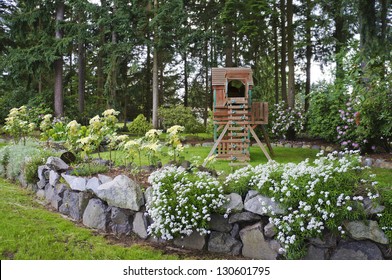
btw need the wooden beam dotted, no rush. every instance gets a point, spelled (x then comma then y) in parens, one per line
(259, 142)
(216, 144)
(267, 140)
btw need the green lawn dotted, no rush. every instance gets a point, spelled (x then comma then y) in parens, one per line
(29, 231)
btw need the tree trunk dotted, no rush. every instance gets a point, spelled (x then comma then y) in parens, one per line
(81, 67)
(185, 79)
(276, 55)
(290, 55)
(229, 44)
(308, 51)
(155, 97)
(58, 66)
(283, 49)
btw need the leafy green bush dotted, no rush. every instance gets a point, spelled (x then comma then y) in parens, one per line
(139, 125)
(180, 115)
(182, 202)
(284, 119)
(30, 166)
(318, 196)
(323, 116)
(88, 169)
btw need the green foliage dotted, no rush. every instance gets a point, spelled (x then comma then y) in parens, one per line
(14, 157)
(285, 119)
(173, 141)
(18, 124)
(323, 116)
(89, 169)
(182, 202)
(139, 126)
(30, 166)
(180, 115)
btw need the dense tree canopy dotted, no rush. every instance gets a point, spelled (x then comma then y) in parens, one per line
(78, 57)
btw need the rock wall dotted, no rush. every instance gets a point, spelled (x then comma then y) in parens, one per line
(117, 205)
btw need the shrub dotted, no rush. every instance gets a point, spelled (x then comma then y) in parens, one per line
(182, 202)
(139, 125)
(318, 196)
(284, 119)
(30, 166)
(14, 157)
(180, 115)
(17, 124)
(323, 116)
(88, 169)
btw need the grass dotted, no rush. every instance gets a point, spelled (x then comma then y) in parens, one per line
(29, 231)
(282, 155)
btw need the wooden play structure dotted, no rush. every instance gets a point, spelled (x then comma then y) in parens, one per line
(236, 115)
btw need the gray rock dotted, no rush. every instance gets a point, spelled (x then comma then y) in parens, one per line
(368, 162)
(315, 253)
(140, 225)
(41, 194)
(244, 217)
(234, 203)
(104, 179)
(297, 146)
(219, 223)
(372, 207)
(288, 145)
(270, 230)
(93, 184)
(74, 204)
(75, 183)
(328, 241)
(121, 192)
(56, 164)
(316, 147)
(251, 194)
(223, 243)
(56, 202)
(358, 230)
(41, 170)
(42, 183)
(148, 195)
(120, 221)
(22, 180)
(49, 192)
(96, 215)
(378, 162)
(357, 250)
(263, 205)
(194, 241)
(208, 144)
(254, 244)
(235, 232)
(186, 164)
(305, 146)
(54, 178)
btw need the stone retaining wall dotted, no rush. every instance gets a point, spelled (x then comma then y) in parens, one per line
(117, 205)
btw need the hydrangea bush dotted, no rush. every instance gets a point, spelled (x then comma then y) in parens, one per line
(318, 196)
(182, 202)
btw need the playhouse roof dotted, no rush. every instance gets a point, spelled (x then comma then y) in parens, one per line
(220, 75)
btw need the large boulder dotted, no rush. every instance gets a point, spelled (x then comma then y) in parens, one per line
(357, 250)
(96, 215)
(140, 225)
(234, 203)
(263, 205)
(194, 241)
(74, 204)
(360, 230)
(93, 184)
(244, 217)
(121, 192)
(56, 164)
(255, 246)
(120, 221)
(75, 183)
(220, 223)
(224, 243)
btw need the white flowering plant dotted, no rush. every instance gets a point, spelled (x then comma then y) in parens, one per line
(284, 118)
(17, 124)
(182, 202)
(317, 196)
(173, 141)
